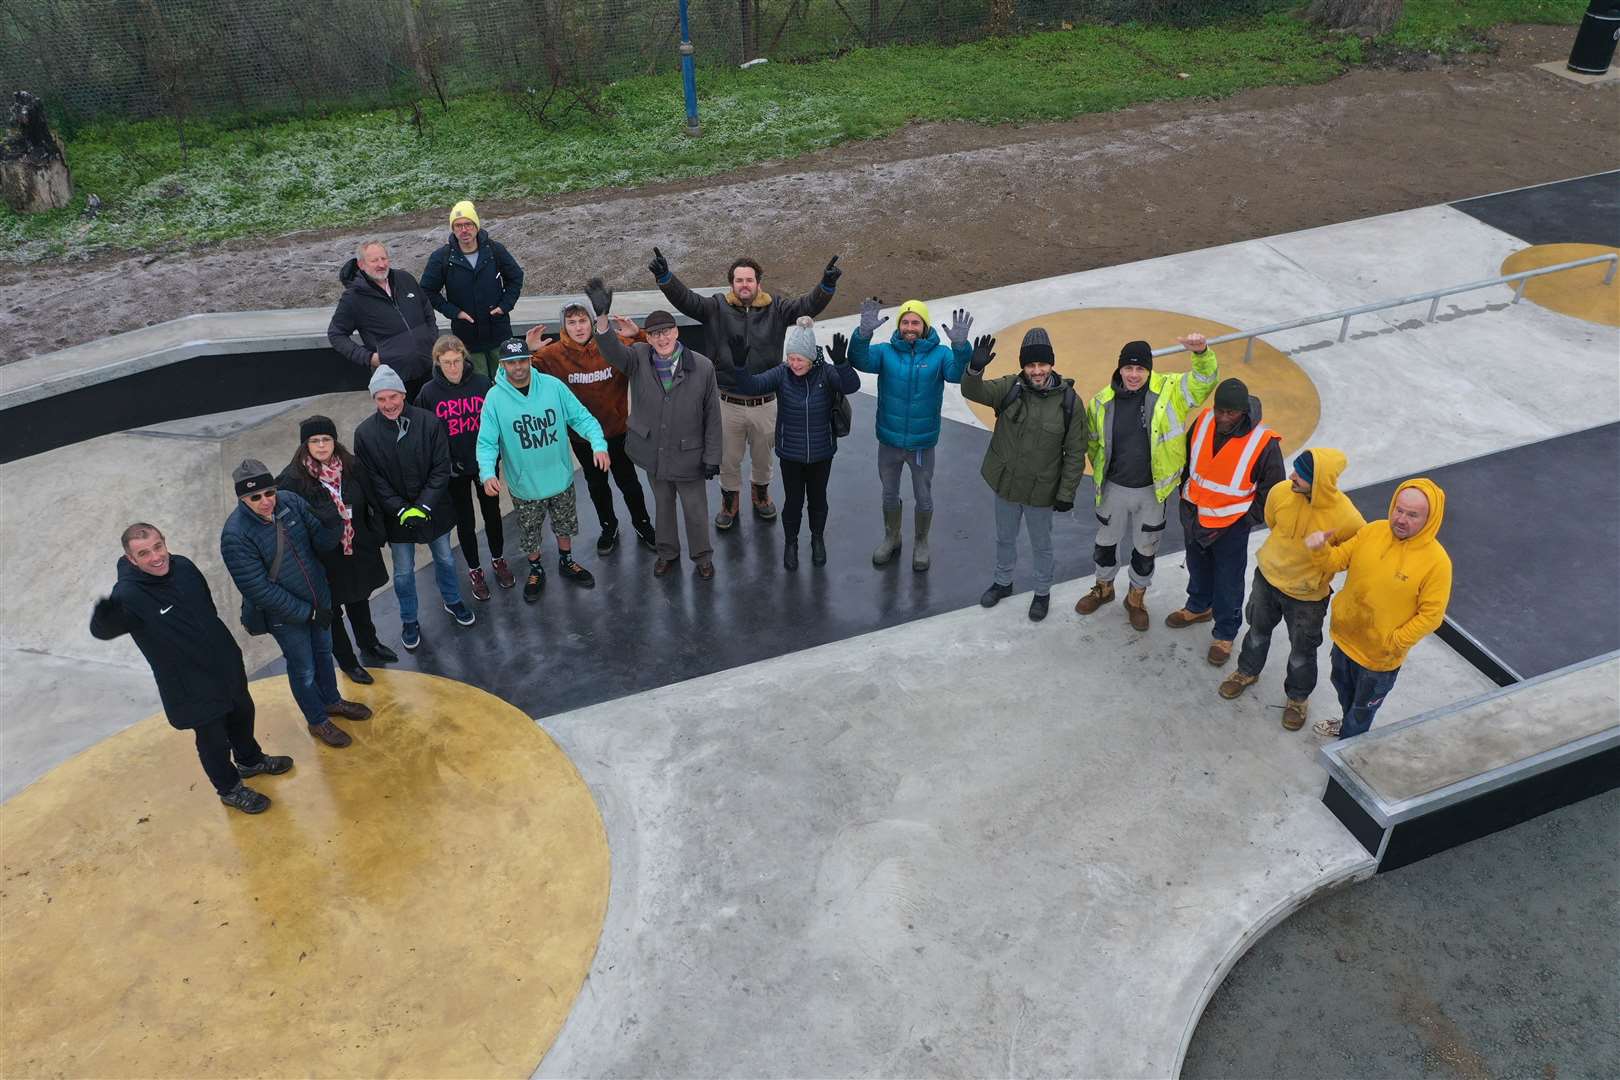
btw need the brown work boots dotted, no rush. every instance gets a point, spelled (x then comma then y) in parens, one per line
(1103, 593)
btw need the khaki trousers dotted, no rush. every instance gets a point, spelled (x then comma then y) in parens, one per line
(753, 426)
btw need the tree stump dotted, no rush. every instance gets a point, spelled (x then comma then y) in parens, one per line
(34, 173)
(1368, 17)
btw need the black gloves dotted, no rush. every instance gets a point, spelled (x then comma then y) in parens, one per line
(1062, 507)
(659, 266)
(321, 617)
(107, 608)
(839, 350)
(710, 472)
(830, 276)
(739, 352)
(982, 353)
(599, 295)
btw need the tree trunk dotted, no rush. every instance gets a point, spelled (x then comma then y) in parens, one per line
(33, 183)
(1362, 16)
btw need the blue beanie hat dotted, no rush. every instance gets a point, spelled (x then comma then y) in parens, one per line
(1305, 465)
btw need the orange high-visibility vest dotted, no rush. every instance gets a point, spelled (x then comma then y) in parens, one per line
(1218, 483)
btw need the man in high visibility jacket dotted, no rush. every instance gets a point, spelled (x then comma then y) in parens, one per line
(1137, 455)
(1233, 461)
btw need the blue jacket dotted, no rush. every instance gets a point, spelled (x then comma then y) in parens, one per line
(911, 384)
(248, 545)
(803, 406)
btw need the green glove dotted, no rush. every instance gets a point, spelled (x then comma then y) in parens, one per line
(412, 513)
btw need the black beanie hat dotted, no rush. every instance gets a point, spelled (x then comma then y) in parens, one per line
(1036, 349)
(1139, 353)
(251, 475)
(1232, 394)
(312, 426)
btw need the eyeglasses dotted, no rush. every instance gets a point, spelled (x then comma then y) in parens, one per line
(256, 496)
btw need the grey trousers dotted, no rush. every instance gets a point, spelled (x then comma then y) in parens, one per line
(1038, 520)
(921, 464)
(1128, 513)
(694, 508)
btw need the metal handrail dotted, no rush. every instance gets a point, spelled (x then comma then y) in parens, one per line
(1433, 297)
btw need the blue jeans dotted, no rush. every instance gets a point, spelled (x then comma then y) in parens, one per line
(308, 650)
(444, 572)
(1215, 579)
(1360, 692)
(1038, 520)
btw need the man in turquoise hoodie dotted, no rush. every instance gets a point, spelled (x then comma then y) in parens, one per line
(523, 426)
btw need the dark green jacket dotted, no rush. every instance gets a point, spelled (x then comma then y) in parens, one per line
(1031, 460)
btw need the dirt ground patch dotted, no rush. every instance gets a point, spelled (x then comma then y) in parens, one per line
(944, 208)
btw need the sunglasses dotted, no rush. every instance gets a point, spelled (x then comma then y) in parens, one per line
(257, 496)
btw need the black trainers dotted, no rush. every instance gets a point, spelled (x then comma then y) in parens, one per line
(995, 594)
(275, 766)
(573, 572)
(534, 583)
(1038, 605)
(646, 534)
(247, 800)
(607, 541)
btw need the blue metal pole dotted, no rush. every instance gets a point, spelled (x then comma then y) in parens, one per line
(688, 75)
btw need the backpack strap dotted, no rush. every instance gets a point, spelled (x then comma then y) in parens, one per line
(1071, 401)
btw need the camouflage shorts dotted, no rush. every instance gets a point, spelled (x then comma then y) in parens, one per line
(532, 514)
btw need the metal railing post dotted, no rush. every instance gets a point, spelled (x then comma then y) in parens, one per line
(1344, 328)
(1434, 306)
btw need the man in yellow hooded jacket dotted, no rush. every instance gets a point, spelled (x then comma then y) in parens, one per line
(1289, 585)
(1395, 594)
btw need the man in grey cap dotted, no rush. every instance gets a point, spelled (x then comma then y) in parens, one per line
(268, 544)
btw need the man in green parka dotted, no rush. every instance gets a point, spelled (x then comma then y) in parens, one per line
(1036, 457)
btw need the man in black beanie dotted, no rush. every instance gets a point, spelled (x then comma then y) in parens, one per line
(1233, 461)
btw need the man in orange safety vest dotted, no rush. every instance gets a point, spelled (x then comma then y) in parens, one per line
(1232, 462)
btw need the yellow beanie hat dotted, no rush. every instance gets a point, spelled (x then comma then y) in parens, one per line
(914, 306)
(465, 209)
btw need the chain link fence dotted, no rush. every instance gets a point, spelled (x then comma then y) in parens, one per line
(210, 58)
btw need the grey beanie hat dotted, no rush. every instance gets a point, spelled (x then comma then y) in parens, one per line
(1037, 347)
(385, 378)
(251, 475)
(800, 339)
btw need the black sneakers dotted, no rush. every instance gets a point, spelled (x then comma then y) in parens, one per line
(646, 534)
(571, 571)
(1038, 606)
(275, 766)
(607, 541)
(247, 800)
(535, 582)
(995, 594)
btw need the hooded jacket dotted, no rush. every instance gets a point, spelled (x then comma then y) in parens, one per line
(453, 285)
(1266, 472)
(911, 383)
(247, 543)
(399, 327)
(804, 405)
(460, 407)
(1284, 559)
(1396, 591)
(527, 433)
(760, 324)
(194, 659)
(674, 434)
(407, 463)
(600, 387)
(1036, 454)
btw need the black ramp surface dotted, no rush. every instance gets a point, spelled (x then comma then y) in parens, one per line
(1584, 211)
(1534, 538)
(634, 632)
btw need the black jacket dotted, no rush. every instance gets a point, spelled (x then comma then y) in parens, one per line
(460, 407)
(194, 659)
(454, 285)
(400, 328)
(351, 578)
(412, 469)
(247, 543)
(761, 326)
(1266, 472)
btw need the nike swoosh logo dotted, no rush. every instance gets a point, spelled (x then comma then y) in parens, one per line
(165, 611)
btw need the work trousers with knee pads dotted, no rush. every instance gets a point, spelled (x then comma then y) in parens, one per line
(1133, 514)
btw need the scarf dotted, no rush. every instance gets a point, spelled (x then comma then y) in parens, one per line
(330, 475)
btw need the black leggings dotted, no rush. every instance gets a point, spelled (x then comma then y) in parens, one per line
(365, 632)
(799, 479)
(624, 475)
(461, 495)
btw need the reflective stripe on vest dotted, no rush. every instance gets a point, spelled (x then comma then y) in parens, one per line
(1219, 483)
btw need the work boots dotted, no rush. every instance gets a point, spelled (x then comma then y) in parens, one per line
(764, 509)
(1135, 608)
(890, 545)
(1101, 593)
(727, 517)
(920, 557)
(1293, 717)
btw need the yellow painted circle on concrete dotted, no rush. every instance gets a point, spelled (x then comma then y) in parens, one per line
(425, 902)
(1087, 343)
(1579, 292)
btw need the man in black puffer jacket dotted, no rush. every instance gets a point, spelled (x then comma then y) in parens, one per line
(406, 453)
(391, 313)
(474, 282)
(162, 600)
(269, 544)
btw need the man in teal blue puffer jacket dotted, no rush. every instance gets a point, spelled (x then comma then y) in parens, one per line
(912, 369)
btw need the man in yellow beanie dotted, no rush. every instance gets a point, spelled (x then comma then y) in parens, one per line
(474, 282)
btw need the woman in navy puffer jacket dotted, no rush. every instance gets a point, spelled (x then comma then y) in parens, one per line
(805, 388)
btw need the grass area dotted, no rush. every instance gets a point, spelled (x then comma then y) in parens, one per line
(349, 168)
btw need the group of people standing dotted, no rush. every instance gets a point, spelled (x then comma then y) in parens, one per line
(462, 418)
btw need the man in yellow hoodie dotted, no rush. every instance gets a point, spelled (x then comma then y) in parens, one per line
(1394, 595)
(1289, 585)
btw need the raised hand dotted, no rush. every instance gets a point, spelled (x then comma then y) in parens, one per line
(830, 276)
(598, 297)
(839, 350)
(536, 337)
(659, 266)
(869, 316)
(1194, 342)
(983, 353)
(624, 325)
(960, 326)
